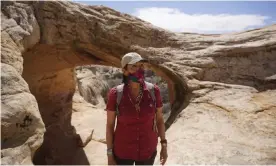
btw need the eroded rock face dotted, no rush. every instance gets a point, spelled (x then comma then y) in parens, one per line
(229, 125)
(221, 87)
(22, 128)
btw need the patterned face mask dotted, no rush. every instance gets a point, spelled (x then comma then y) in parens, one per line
(138, 76)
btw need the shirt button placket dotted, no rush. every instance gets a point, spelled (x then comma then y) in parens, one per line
(138, 143)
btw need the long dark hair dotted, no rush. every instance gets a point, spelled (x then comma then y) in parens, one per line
(125, 78)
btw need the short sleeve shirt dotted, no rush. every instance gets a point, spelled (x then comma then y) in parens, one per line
(135, 137)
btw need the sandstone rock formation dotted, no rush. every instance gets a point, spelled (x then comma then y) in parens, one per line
(22, 128)
(222, 87)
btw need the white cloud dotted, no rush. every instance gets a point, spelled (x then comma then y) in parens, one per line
(175, 20)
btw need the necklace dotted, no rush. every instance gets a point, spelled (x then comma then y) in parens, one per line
(138, 98)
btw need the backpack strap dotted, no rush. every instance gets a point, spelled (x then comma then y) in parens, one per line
(119, 90)
(150, 87)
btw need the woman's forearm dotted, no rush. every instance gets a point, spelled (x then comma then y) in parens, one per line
(161, 128)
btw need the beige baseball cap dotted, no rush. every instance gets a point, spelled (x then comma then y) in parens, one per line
(131, 58)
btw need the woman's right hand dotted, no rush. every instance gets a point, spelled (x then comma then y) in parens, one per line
(111, 160)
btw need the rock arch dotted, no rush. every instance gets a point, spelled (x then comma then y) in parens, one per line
(53, 44)
(49, 72)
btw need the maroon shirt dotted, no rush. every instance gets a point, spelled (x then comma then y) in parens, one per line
(134, 136)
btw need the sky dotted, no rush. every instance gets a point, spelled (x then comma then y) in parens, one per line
(199, 16)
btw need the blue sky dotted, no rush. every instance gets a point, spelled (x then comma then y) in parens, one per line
(200, 16)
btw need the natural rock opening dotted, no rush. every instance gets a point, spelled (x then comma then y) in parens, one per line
(50, 74)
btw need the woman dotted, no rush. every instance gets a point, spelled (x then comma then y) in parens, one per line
(139, 118)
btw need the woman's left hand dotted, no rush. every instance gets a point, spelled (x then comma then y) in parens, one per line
(163, 155)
